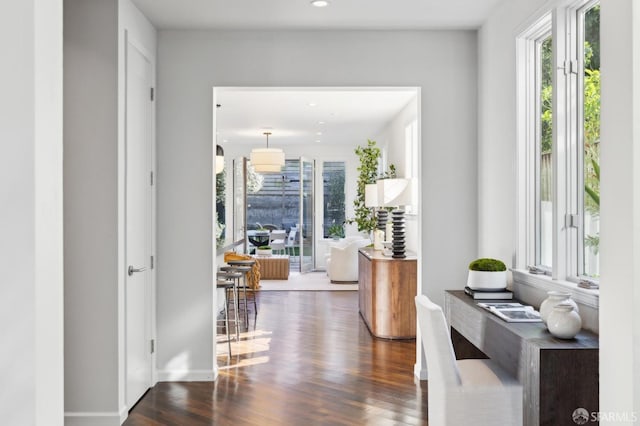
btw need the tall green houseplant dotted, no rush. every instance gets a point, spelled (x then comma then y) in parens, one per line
(368, 173)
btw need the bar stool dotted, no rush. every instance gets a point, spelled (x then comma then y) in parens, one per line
(231, 277)
(245, 267)
(246, 262)
(236, 273)
(226, 285)
(242, 296)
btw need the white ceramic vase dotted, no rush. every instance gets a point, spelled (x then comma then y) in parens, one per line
(554, 298)
(487, 280)
(378, 238)
(564, 322)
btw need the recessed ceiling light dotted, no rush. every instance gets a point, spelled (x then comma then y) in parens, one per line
(319, 133)
(320, 3)
(224, 141)
(318, 140)
(321, 122)
(312, 104)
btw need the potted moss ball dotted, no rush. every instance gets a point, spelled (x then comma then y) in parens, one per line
(263, 251)
(487, 274)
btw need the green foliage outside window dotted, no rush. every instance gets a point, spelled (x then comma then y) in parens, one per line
(591, 113)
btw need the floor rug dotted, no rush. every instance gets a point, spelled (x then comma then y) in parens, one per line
(310, 281)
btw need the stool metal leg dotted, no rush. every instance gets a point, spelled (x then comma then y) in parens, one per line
(236, 320)
(226, 321)
(246, 312)
(225, 285)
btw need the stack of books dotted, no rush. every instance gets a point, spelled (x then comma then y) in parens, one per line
(489, 294)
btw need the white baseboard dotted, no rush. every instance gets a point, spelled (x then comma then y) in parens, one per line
(187, 375)
(94, 418)
(419, 373)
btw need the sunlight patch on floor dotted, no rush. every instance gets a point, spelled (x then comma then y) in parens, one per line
(250, 344)
(246, 363)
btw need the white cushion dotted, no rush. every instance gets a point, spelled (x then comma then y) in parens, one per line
(342, 265)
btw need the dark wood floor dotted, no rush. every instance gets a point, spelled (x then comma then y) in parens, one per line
(308, 360)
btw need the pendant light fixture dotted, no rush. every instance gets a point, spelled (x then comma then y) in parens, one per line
(267, 160)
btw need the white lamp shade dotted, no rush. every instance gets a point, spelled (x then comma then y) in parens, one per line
(219, 164)
(395, 192)
(371, 195)
(267, 159)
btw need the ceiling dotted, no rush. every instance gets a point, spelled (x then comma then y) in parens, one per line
(299, 14)
(348, 114)
(324, 116)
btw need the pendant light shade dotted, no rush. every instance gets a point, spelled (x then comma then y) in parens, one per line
(267, 160)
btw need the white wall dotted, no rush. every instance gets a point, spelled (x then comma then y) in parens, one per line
(31, 308)
(620, 208)
(93, 186)
(392, 136)
(442, 63)
(496, 183)
(90, 207)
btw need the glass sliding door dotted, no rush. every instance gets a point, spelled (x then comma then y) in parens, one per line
(239, 200)
(307, 225)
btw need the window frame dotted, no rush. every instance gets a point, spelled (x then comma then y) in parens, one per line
(411, 157)
(528, 108)
(564, 24)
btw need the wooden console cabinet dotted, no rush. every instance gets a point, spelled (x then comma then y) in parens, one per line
(386, 292)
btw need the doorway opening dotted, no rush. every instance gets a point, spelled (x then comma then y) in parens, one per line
(324, 125)
(313, 194)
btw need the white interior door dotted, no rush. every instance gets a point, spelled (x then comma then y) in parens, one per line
(138, 223)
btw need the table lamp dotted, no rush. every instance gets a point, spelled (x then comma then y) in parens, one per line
(396, 193)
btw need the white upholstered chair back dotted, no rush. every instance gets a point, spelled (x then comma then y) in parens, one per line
(470, 391)
(441, 360)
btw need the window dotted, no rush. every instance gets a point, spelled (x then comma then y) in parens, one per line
(333, 174)
(411, 149)
(589, 84)
(543, 144)
(559, 143)
(411, 155)
(273, 199)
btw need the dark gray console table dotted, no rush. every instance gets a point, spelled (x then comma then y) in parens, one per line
(558, 376)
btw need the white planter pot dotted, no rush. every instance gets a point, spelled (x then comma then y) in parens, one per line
(487, 280)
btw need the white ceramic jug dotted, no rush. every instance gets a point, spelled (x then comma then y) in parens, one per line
(555, 297)
(564, 322)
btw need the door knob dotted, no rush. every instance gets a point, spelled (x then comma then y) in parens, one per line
(131, 269)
